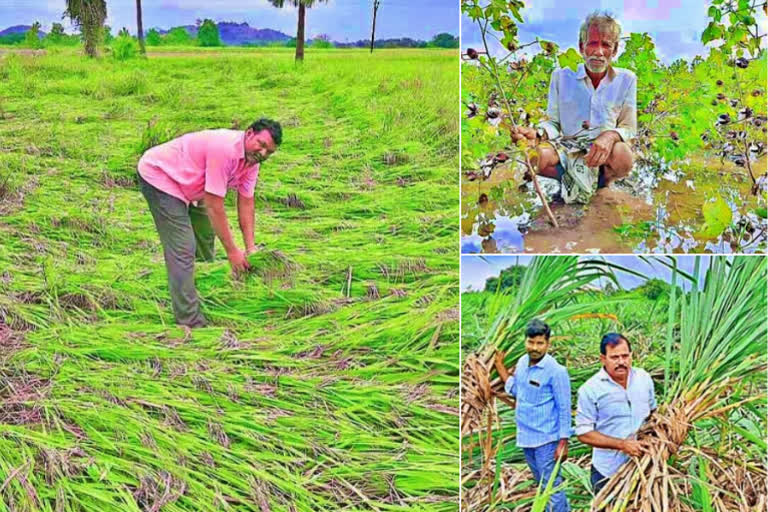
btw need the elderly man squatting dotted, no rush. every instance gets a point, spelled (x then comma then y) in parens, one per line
(597, 104)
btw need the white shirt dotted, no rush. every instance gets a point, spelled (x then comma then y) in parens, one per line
(573, 100)
(605, 406)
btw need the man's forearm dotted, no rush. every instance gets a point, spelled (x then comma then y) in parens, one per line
(245, 215)
(503, 373)
(598, 440)
(214, 206)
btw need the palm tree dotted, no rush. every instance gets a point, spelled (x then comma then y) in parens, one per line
(302, 5)
(376, 4)
(88, 16)
(140, 27)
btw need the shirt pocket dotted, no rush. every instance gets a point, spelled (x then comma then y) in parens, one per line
(613, 406)
(641, 407)
(534, 394)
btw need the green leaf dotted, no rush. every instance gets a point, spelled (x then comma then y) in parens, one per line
(762, 212)
(569, 59)
(714, 13)
(717, 217)
(516, 14)
(739, 34)
(712, 32)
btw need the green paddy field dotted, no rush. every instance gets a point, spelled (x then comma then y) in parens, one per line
(329, 379)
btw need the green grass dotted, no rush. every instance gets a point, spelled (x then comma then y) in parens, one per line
(327, 383)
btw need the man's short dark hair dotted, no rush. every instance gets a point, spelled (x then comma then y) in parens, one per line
(272, 126)
(537, 328)
(613, 339)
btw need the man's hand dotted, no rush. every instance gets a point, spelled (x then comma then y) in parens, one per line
(601, 148)
(633, 448)
(238, 261)
(522, 132)
(498, 361)
(561, 452)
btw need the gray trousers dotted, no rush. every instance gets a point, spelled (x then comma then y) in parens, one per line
(186, 233)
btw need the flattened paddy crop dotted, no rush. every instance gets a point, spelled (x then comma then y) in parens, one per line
(328, 380)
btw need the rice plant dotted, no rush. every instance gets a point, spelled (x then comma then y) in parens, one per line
(309, 392)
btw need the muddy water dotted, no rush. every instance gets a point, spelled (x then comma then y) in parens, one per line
(645, 214)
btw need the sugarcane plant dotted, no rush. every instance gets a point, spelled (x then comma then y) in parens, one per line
(719, 346)
(547, 290)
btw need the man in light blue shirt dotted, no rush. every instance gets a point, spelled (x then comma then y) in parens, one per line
(612, 406)
(543, 410)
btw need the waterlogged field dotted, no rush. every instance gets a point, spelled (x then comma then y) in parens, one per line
(699, 178)
(706, 450)
(328, 379)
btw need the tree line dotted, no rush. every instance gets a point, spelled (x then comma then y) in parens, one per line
(88, 16)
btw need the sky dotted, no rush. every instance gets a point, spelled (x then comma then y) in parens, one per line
(674, 25)
(342, 20)
(475, 270)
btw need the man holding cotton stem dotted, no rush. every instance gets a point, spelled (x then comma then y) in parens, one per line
(185, 181)
(592, 115)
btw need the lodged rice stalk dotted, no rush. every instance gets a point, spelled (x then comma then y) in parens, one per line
(308, 392)
(721, 344)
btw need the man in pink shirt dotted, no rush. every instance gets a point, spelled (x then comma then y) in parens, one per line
(185, 181)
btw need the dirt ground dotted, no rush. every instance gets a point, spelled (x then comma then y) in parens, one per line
(587, 228)
(21, 51)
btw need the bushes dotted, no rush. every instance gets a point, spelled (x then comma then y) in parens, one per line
(321, 43)
(124, 48)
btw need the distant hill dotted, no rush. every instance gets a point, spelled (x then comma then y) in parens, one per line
(18, 29)
(236, 34)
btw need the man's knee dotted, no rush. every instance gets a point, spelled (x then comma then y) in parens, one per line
(548, 160)
(548, 157)
(621, 159)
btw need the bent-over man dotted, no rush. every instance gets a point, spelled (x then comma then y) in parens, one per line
(184, 182)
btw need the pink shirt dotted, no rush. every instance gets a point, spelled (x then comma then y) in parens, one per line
(191, 165)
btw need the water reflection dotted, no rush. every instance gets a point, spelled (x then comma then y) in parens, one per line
(488, 226)
(496, 214)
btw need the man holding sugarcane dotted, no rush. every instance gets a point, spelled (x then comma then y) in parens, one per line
(612, 405)
(184, 182)
(542, 391)
(592, 114)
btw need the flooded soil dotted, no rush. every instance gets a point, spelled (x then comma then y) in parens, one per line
(648, 212)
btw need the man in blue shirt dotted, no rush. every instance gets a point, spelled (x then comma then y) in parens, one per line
(543, 411)
(612, 406)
